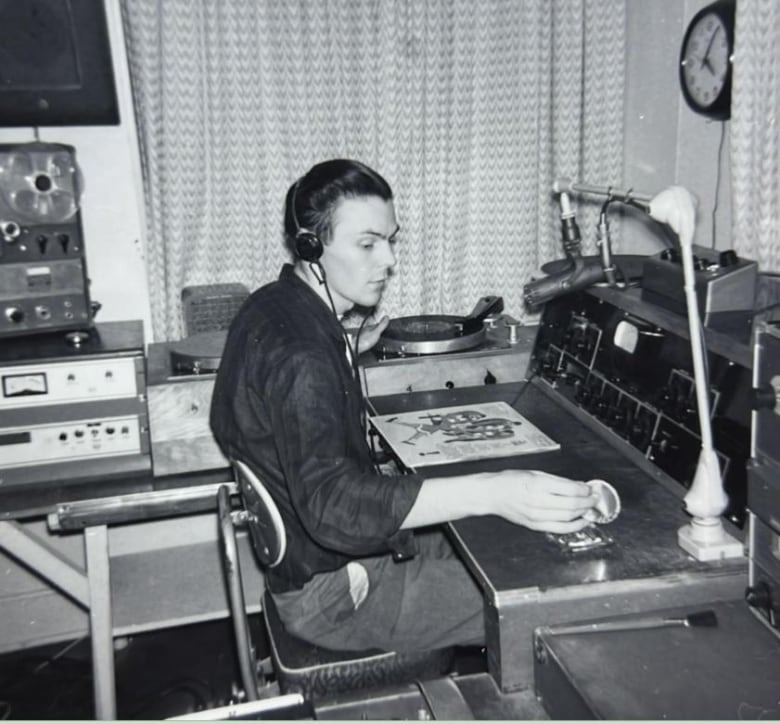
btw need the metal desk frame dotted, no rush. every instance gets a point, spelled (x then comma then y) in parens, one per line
(90, 586)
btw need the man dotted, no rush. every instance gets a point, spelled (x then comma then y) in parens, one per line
(287, 401)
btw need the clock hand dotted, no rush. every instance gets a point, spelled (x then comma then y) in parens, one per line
(708, 65)
(705, 59)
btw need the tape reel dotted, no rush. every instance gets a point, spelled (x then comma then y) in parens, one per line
(38, 184)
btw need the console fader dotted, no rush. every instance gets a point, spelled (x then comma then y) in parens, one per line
(627, 367)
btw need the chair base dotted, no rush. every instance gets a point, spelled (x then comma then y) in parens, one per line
(317, 672)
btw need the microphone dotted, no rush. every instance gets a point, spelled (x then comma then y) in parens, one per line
(675, 206)
(569, 229)
(583, 273)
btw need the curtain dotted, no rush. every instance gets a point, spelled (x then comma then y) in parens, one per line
(470, 110)
(755, 133)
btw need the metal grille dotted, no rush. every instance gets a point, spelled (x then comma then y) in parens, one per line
(210, 307)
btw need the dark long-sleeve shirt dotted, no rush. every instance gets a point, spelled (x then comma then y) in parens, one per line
(286, 402)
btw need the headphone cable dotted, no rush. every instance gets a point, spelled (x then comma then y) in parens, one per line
(351, 353)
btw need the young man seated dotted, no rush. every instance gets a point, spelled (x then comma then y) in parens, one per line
(287, 402)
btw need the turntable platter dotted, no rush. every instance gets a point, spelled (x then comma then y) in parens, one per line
(428, 334)
(438, 333)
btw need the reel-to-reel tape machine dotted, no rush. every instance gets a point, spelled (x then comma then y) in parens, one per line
(43, 276)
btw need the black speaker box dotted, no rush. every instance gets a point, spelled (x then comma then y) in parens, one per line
(55, 64)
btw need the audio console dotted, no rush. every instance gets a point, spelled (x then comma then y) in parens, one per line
(625, 366)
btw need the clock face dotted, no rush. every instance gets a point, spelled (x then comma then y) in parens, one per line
(706, 59)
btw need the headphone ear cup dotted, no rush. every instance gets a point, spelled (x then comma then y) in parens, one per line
(308, 245)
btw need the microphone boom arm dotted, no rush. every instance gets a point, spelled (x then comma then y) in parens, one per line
(627, 196)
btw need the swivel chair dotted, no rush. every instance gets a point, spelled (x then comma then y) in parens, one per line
(301, 667)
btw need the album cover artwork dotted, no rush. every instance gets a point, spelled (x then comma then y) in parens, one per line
(464, 432)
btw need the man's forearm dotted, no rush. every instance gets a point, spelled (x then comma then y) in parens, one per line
(531, 498)
(444, 499)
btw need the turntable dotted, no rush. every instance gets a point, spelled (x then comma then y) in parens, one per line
(429, 352)
(438, 333)
(197, 354)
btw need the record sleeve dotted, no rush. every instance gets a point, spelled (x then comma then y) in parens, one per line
(463, 432)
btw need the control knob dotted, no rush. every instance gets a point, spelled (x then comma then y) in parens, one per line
(15, 315)
(671, 254)
(766, 396)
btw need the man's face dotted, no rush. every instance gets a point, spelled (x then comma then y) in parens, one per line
(359, 258)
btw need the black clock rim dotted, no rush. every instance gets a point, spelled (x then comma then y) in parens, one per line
(720, 108)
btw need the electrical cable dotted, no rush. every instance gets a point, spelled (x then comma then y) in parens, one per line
(42, 663)
(534, 373)
(705, 363)
(620, 280)
(356, 369)
(356, 372)
(717, 183)
(319, 273)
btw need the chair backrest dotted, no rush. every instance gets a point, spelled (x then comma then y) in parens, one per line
(265, 524)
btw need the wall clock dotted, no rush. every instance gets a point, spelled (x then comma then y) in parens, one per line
(706, 60)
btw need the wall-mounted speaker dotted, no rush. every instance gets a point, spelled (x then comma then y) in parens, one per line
(55, 64)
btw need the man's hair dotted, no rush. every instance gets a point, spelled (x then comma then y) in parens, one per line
(313, 198)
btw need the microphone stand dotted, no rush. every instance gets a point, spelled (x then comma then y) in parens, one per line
(705, 537)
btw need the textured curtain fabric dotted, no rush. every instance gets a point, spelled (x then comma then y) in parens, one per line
(755, 133)
(469, 109)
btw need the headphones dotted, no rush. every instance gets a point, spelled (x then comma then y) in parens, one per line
(307, 244)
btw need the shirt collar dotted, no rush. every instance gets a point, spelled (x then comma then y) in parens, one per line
(319, 309)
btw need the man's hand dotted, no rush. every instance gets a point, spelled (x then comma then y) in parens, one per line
(544, 502)
(370, 334)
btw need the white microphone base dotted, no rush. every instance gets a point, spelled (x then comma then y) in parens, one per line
(718, 545)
